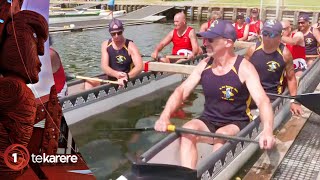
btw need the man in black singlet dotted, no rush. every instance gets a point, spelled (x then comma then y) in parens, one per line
(273, 62)
(229, 81)
(120, 57)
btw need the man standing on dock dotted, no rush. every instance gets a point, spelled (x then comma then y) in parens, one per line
(183, 38)
(111, 7)
(228, 81)
(273, 61)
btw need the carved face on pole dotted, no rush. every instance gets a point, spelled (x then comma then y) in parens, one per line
(23, 42)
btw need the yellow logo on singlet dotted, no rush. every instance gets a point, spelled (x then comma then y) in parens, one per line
(309, 41)
(273, 66)
(228, 92)
(120, 59)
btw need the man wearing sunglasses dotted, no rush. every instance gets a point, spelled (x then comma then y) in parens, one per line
(273, 61)
(311, 37)
(227, 80)
(120, 57)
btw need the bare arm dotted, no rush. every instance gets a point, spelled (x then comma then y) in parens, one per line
(292, 81)
(179, 95)
(249, 52)
(105, 62)
(137, 60)
(297, 39)
(245, 33)
(204, 27)
(194, 42)
(250, 76)
(291, 78)
(316, 34)
(164, 42)
(55, 60)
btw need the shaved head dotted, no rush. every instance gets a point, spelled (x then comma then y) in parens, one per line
(285, 23)
(180, 21)
(180, 16)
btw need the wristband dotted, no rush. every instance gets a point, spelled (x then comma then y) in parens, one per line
(294, 101)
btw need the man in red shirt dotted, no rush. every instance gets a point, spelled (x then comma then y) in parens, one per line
(58, 72)
(295, 43)
(183, 38)
(242, 28)
(255, 25)
(215, 15)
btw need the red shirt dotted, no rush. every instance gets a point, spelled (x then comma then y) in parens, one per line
(240, 31)
(59, 77)
(182, 42)
(254, 27)
(296, 50)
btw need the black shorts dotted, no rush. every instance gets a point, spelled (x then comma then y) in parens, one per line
(214, 126)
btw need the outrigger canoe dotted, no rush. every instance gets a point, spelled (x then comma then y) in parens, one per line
(162, 161)
(81, 104)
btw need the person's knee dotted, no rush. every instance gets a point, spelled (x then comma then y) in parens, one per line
(190, 125)
(219, 140)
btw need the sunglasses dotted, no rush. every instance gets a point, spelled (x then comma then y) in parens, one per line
(118, 33)
(301, 22)
(269, 34)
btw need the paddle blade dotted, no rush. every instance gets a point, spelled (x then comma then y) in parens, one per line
(310, 101)
(161, 172)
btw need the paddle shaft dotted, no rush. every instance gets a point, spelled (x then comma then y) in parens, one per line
(176, 57)
(172, 128)
(214, 135)
(282, 96)
(97, 79)
(309, 100)
(133, 129)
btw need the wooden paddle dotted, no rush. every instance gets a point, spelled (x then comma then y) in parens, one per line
(176, 57)
(168, 67)
(171, 67)
(173, 128)
(73, 76)
(312, 56)
(309, 100)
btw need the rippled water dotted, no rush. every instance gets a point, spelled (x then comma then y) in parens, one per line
(81, 51)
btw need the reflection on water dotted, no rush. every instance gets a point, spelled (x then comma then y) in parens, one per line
(81, 51)
(106, 152)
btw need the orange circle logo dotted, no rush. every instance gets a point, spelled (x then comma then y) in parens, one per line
(16, 157)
